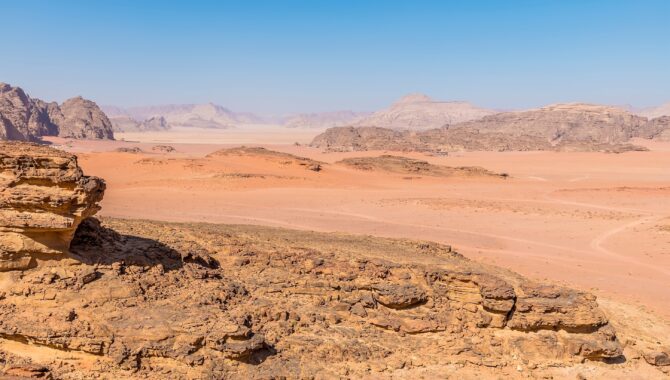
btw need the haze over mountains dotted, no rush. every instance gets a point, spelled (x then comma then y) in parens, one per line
(414, 122)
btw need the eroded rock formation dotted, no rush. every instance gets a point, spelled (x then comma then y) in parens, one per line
(23, 118)
(43, 198)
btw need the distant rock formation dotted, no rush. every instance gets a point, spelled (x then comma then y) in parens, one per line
(207, 115)
(323, 119)
(156, 123)
(655, 112)
(566, 123)
(581, 127)
(25, 119)
(419, 112)
(43, 198)
(403, 165)
(271, 156)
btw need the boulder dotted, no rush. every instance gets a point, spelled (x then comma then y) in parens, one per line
(44, 195)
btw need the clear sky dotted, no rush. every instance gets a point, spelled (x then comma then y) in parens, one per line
(284, 56)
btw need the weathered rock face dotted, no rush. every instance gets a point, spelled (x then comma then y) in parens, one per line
(25, 119)
(81, 119)
(43, 198)
(404, 165)
(564, 124)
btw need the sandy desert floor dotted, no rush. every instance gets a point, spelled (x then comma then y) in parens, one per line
(594, 221)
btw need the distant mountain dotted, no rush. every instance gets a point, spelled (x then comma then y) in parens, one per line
(26, 119)
(206, 115)
(323, 119)
(582, 127)
(654, 112)
(419, 112)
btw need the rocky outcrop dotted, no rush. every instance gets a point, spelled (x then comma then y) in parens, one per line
(403, 165)
(213, 301)
(79, 118)
(565, 124)
(560, 127)
(271, 156)
(128, 124)
(157, 123)
(419, 112)
(22, 118)
(25, 119)
(43, 198)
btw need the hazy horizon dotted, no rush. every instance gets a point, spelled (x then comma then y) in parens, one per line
(274, 58)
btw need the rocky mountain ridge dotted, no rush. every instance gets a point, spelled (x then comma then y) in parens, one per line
(26, 119)
(575, 126)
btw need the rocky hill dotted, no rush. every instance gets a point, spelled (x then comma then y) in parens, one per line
(419, 112)
(138, 299)
(558, 127)
(26, 119)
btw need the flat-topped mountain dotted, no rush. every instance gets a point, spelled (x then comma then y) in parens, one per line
(419, 112)
(573, 126)
(26, 119)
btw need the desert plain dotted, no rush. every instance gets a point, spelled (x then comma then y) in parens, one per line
(594, 221)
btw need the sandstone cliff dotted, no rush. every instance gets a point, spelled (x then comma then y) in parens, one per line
(43, 198)
(25, 119)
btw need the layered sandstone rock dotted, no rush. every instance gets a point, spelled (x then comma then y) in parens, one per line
(25, 119)
(208, 301)
(43, 198)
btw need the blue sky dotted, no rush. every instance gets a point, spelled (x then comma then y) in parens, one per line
(277, 57)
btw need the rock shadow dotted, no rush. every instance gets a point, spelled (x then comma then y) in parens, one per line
(95, 244)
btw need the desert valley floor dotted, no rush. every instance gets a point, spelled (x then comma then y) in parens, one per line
(595, 221)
